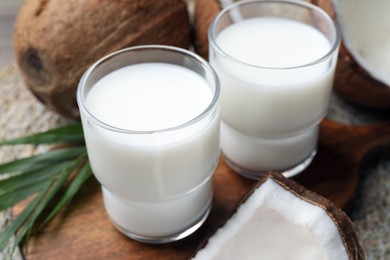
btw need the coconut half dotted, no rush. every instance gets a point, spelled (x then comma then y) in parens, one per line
(366, 26)
(363, 69)
(280, 219)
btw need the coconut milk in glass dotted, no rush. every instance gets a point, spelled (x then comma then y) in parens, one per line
(276, 61)
(151, 126)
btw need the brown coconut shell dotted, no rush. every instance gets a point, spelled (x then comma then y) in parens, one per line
(340, 219)
(56, 41)
(351, 81)
(205, 11)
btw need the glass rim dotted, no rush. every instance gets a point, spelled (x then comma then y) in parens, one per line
(302, 4)
(83, 82)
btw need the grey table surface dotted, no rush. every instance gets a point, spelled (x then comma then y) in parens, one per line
(8, 11)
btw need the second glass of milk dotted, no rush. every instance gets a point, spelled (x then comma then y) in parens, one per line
(276, 61)
(151, 124)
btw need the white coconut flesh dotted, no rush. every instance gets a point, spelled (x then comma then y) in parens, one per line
(365, 28)
(273, 223)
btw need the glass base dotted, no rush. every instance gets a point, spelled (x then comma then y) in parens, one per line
(169, 238)
(256, 175)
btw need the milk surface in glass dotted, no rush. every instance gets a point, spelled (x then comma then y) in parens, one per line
(155, 183)
(271, 101)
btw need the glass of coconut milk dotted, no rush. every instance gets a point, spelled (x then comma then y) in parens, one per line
(151, 124)
(276, 61)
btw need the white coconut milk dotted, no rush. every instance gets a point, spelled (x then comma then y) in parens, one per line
(155, 183)
(270, 114)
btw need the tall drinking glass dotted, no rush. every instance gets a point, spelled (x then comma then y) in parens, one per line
(151, 123)
(276, 61)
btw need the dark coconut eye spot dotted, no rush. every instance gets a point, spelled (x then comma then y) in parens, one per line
(33, 60)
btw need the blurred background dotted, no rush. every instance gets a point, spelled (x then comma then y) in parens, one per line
(8, 10)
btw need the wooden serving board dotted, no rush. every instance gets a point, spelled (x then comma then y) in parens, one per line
(83, 230)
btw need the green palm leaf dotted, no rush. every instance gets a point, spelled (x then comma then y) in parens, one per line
(27, 178)
(77, 182)
(58, 173)
(71, 134)
(12, 228)
(41, 161)
(19, 187)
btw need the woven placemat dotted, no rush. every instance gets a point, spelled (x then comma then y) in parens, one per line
(21, 114)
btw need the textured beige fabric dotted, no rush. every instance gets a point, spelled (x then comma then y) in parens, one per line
(20, 114)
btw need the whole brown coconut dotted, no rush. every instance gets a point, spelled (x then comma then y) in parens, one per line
(352, 82)
(56, 41)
